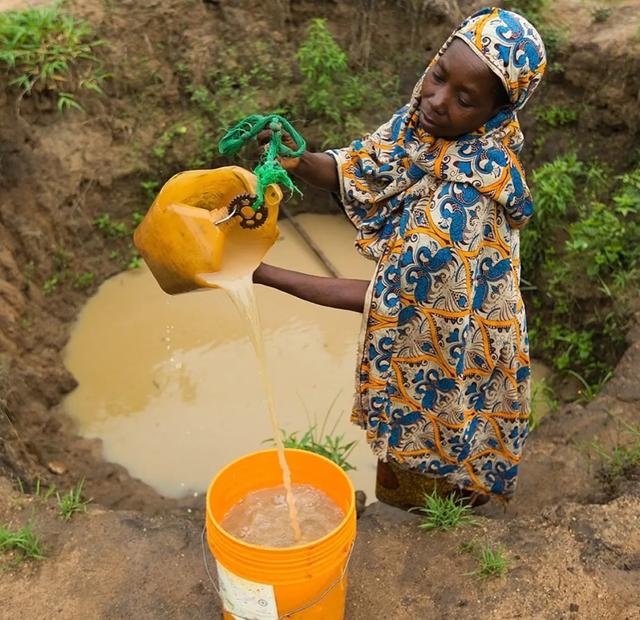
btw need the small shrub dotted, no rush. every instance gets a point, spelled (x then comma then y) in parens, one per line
(324, 68)
(48, 50)
(72, 502)
(24, 541)
(334, 94)
(444, 513)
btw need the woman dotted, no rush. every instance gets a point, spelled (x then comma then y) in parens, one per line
(438, 196)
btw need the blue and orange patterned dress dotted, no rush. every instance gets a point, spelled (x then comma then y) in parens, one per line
(444, 372)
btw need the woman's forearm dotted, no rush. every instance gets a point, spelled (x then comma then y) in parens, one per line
(342, 293)
(319, 170)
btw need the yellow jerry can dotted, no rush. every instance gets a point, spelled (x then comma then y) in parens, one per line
(202, 229)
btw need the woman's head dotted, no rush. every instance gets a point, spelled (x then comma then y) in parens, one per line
(494, 60)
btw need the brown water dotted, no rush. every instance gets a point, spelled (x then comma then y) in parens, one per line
(240, 290)
(262, 517)
(243, 253)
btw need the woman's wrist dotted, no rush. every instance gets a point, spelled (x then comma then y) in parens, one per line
(260, 274)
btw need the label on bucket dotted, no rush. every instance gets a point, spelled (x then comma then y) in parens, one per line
(246, 600)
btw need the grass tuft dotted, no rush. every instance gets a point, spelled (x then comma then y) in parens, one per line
(492, 561)
(444, 513)
(24, 541)
(333, 447)
(72, 502)
(622, 458)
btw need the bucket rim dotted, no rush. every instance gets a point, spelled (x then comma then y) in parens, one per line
(314, 543)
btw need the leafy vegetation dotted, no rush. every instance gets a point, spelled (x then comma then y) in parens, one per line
(84, 280)
(556, 115)
(581, 255)
(23, 541)
(47, 50)
(444, 512)
(109, 228)
(332, 92)
(72, 502)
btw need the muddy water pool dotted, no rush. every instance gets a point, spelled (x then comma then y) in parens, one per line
(170, 384)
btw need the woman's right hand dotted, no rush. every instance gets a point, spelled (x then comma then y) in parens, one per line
(288, 163)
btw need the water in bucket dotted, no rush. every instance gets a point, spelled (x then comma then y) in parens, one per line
(262, 517)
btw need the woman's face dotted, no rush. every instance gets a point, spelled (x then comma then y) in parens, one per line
(459, 93)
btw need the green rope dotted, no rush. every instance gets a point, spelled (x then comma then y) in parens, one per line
(269, 170)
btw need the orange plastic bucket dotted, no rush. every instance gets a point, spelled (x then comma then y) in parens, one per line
(265, 583)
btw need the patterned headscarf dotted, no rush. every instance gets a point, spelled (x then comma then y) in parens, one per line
(377, 171)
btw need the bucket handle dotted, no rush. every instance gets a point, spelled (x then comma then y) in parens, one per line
(289, 614)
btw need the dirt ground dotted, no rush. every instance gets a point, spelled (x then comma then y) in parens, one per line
(573, 539)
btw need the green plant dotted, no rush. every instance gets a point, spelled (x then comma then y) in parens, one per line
(40, 493)
(334, 94)
(135, 261)
(84, 280)
(492, 561)
(324, 69)
(600, 14)
(556, 116)
(444, 513)
(333, 447)
(136, 217)
(150, 188)
(583, 243)
(109, 228)
(51, 284)
(19, 484)
(72, 502)
(48, 50)
(621, 458)
(166, 139)
(28, 273)
(24, 541)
